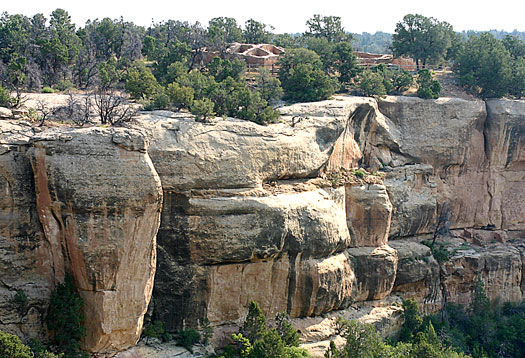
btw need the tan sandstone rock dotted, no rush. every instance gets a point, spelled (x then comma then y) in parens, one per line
(25, 268)
(99, 205)
(368, 214)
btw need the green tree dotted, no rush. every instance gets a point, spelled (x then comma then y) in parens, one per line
(188, 338)
(222, 31)
(371, 84)
(515, 46)
(362, 340)
(221, 69)
(257, 32)
(345, 62)
(287, 40)
(425, 39)
(302, 78)
(485, 66)
(328, 27)
(402, 80)
(268, 86)
(202, 85)
(412, 320)
(140, 82)
(268, 345)
(5, 98)
(62, 47)
(332, 351)
(202, 109)
(180, 96)
(428, 87)
(65, 318)
(254, 325)
(286, 331)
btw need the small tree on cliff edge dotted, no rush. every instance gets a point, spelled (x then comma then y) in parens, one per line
(65, 318)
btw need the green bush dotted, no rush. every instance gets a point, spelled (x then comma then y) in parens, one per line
(188, 338)
(256, 340)
(428, 88)
(180, 96)
(11, 347)
(371, 84)
(202, 109)
(65, 318)
(48, 89)
(40, 351)
(140, 82)
(302, 77)
(64, 85)
(360, 173)
(156, 330)
(5, 97)
(20, 299)
(402, 80)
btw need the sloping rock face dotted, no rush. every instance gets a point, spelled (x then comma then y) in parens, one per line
(87, 202)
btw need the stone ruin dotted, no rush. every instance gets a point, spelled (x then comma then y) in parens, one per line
(367, 60)
(259, 54)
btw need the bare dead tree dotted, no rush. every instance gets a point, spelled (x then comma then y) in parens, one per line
(44, 111)
(443, 224)
(111, 107)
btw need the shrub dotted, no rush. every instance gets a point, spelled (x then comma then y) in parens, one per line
(64, 85)
(48, 89)
(187, 338)
(302, 77)
(402, 80)
(360, 173)
(202, 109)
(21, 300)
(180, 96)
(140, 82)
(371, 84)
(5, 97)
(156, 330)
(207, 331)
(428, 88)
(11, 347)
(286, 331)
(65, 318)
(255, 323)
(40, 351)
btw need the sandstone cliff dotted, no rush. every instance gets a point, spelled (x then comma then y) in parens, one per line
(248, 214)
(84, 201)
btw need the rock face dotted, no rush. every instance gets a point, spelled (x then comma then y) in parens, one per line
(97, 198)
(368, 213)
(24, 265)
(245, 214)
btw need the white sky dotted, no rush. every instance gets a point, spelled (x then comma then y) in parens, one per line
(289, 16)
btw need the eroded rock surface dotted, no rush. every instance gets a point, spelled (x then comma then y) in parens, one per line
(84, 201)
(246, 214)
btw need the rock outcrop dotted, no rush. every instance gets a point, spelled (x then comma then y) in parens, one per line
(95, 200)
(248, 214)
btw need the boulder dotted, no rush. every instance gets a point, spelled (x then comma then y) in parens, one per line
(368, 214)
(375, 271)
(235, 229)
(418, 275)
(5, 113)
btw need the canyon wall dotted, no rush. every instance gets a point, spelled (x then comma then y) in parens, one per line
(247, 212)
